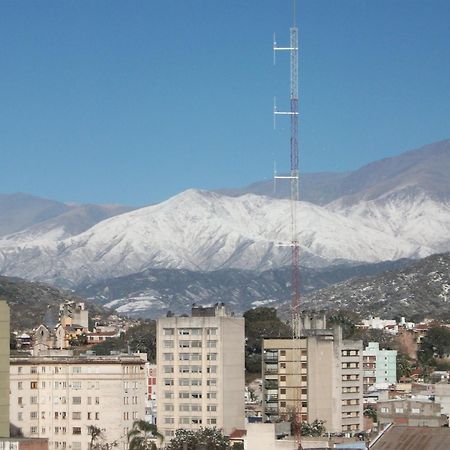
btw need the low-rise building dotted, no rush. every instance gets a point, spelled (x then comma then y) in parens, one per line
(60, 398)
(412, 412)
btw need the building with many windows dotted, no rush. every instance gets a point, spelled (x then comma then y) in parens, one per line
(380, 366)
(318, 375)
(60, 398)
(200, 371)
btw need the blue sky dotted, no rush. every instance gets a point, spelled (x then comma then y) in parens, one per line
(133, 101)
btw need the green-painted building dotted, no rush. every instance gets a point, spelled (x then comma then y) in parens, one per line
(4, 369)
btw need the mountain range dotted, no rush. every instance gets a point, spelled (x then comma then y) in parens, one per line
(390, 209)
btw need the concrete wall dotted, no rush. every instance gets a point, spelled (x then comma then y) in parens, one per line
(4, 369)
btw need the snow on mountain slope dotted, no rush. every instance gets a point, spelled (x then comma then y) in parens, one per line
(200, 230)
(408, 214)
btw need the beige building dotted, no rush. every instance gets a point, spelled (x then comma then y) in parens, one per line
(59, 398)
(200, 371)
(411, 412)
(4, 369)
(320, 372)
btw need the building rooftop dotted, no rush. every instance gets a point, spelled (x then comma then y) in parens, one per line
(413, 438)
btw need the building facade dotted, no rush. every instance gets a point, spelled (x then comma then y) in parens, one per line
(60, 398)
(411, 412)
(380, 366)
(200, 371)
(320, 373)
(4, 369)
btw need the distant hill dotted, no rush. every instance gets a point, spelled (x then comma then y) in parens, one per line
(34, 303)
(420, 290)
(152, 293)
(425, 169)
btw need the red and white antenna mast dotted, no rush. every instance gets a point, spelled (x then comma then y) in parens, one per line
(293, 177)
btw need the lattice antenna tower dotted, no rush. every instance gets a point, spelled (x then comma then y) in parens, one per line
(293, 178)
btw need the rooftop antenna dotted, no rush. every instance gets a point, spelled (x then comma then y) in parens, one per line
(293, 177)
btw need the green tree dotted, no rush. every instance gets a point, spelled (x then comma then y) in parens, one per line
(98, 441)
(202, 439)
(143, 435)
(259, 323)
(315, 429)
(404, 366)
(435, 343)
(371, 412)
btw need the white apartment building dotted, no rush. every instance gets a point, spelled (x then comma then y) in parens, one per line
(200, 371)
(380, 366)
(59, 398)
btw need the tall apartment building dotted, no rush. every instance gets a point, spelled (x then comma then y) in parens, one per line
(4, 369)
(320, 373)
(200, 371)
(380, 366)
(59, 398)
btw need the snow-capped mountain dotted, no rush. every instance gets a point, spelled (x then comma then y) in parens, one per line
(391, 209)
(199, 230)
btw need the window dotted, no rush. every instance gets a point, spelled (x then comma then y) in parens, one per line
(169, 420)
(184, 369)
(19, 385)
(168, 394)
(211, 408)
(183, 332)
(33, 369)
(76, 385)
(211, 331)
(212, 421)
(212, 382)
(211, 369)
(76, 445)
(76, 369)
(76, 430)
(283, 378)
(33, 430)
(19, 400)
(184, 407)
(211, 356)
(399, 410)
(76, 400)
(183, 381)
(196, 344)
(168, 344)
(282, 352)
(168, 331)
(97, 400)
(196, 369)
(211, 344)
(183, 395)
(168, 407)
(415, 410)
(196, 395)
(19, 416)
(76, 415)
(211, 395)
(168, 356)
(197, 420)
(168, 369)
(33, 400)
(33, 415)
(384, 410)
